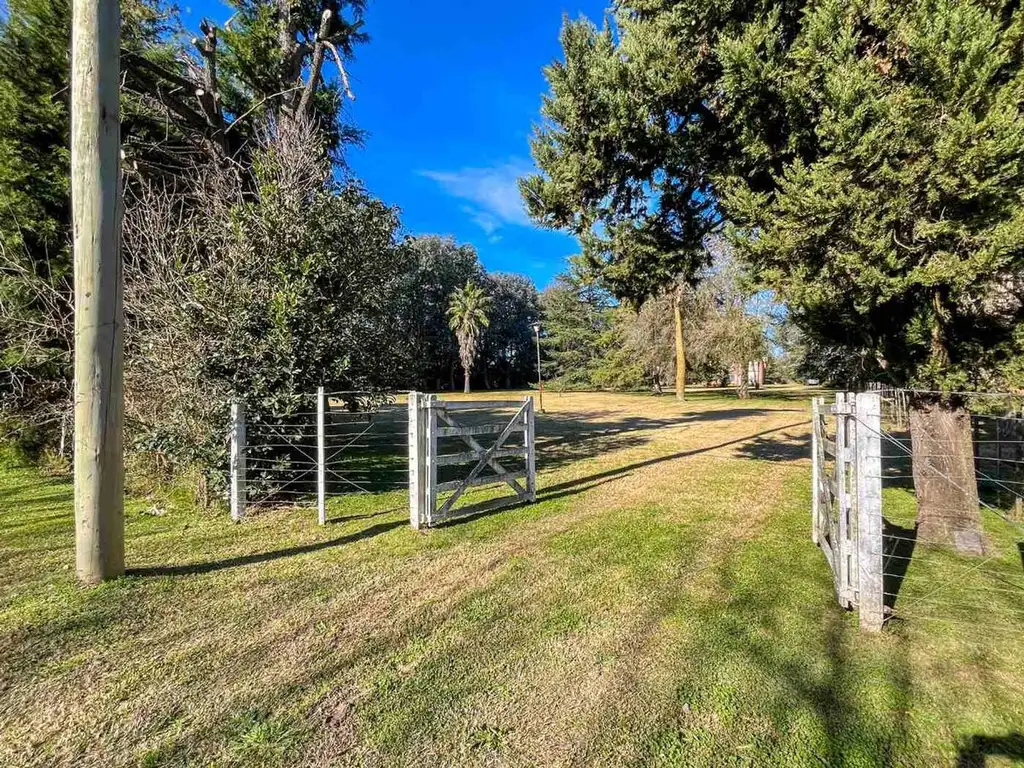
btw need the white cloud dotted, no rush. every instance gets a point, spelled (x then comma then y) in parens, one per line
(488, 222)
(493, 192)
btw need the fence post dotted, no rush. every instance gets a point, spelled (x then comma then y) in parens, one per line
(530, 439)
(816, 469)
(321, 457)
(871, 603)
(430, 468)
(237, 461)
(417, 460)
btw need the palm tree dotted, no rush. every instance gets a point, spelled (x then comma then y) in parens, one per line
(467, 316)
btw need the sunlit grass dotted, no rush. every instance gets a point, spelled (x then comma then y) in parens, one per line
(660, 605)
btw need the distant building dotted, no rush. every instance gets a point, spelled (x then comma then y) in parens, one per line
(757, 371)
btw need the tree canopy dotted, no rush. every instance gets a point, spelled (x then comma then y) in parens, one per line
(257, 266)
(866, 157)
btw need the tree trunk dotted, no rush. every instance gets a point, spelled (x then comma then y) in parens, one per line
(944, 479)
(465, 387)
(680, 352)
(742, 380)
(99, 308)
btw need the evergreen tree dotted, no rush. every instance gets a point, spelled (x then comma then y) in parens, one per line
(34, 153)
(607, 149)
(869, 156)
(575, 316)
(442, 266)
(507, 346)
(35, 211)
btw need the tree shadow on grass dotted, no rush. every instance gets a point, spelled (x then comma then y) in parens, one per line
(368, 516)
(21, 493)
(16, 510)
(976, 750)
(480, 510)
(566, 438)
(784, 448)
(613, 422)
(790, 669)
(575, 484)
(192, 569)
(583, 484)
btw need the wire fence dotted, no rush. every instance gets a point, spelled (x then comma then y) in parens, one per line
(952, 540)
(352, 443)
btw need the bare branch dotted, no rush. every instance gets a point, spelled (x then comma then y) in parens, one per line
(315, 66)
(343, 73)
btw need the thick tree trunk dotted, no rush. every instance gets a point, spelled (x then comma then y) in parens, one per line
(465, 387)
(742, 380)
(743, 387)
(944, 478)
(680, 352)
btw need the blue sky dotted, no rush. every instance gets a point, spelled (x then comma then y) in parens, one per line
(449, 93)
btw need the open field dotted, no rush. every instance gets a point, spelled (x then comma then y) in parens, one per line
(660, 605)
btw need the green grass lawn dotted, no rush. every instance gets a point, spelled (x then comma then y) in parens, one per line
(661, 604)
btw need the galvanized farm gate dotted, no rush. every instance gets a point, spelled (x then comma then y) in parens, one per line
(846, 502)
(441, 431)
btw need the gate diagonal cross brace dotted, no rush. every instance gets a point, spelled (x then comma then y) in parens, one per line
(485, 460)
(472, 443)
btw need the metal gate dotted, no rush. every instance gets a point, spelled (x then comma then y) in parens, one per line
(441, 431)
(835, 490)
(846, 504)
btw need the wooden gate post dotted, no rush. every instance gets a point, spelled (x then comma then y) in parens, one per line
(237, 461)
(871, 600)
(321, 457)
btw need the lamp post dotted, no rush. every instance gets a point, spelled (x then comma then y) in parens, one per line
(540, 378)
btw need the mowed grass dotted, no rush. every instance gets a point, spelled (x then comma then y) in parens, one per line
(660, 605)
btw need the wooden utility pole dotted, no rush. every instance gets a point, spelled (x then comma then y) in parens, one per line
(677, 310)
(99, 312)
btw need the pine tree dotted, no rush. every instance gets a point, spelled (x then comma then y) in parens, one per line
(34, 153)
(35, 213)
(868, 156)
(576, 314)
